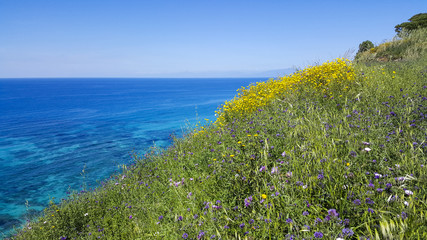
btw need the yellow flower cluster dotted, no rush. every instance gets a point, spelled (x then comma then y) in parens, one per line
(325, 77)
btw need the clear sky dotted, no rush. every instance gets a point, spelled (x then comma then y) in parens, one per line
(200, 38)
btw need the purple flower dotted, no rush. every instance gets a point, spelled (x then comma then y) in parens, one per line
(251, 221)
(305, 213)
(318, 235)
(180, 218)
(370, 210)
(248, 201)
(242, 225)
(333, 213)
(195, 216)
(274, 170)
(283, 154)
(404, 215)
(226, 227)
(320, 176)
(201, 234)
(369, 201)
(379, 190)
(289, 220)
(161, 217)
(347, 232)
(130, 217)
(262, 168)
(356, 202)
(185, 235)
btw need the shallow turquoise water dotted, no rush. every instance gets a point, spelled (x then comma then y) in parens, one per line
(52, 129)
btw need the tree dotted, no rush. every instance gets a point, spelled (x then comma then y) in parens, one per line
(365, 46)
(417, 21)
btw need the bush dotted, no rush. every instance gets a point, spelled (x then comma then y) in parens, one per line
(365, 46)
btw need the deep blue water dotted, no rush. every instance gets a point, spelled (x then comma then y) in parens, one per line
(51, 129)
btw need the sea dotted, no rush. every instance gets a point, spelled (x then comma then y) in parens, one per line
(63, 135)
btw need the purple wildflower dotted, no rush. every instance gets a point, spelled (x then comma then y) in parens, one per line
(356, 202)
(333, 213)
(248, 201)
(318, 235)
(347, 232)
(369, 201)
(318, 220)
(201, 234)
(185, 235)
(274, 170)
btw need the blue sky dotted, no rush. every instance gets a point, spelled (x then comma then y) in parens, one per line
(138, 38)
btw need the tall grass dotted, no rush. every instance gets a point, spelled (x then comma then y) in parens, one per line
(411, 46)
(346, 160)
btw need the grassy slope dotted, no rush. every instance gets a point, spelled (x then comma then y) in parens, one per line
(306, 165)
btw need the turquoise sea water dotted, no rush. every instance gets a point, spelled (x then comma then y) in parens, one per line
(52, 129)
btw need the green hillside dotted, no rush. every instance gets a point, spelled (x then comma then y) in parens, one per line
(334, 151)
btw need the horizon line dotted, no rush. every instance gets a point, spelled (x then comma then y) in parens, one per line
(127, 77)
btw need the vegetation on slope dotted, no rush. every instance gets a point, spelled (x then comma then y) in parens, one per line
(336, 151)
(409, 44)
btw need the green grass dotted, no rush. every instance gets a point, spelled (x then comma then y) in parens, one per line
(305, 166)
(411, 47)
